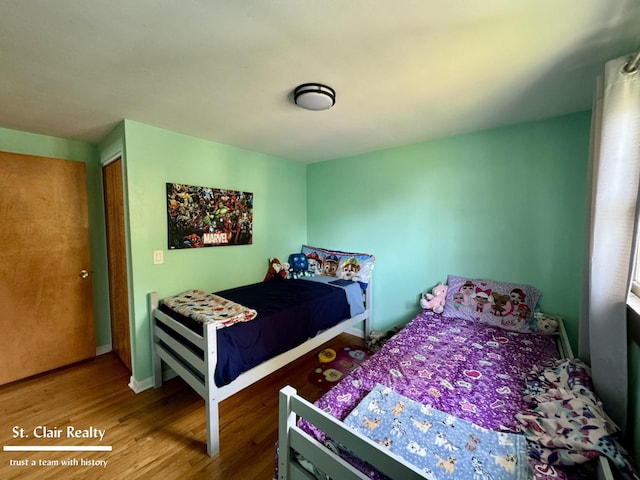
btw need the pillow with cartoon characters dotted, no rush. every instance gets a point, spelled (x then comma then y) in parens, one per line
(505, 305)
(344, 265)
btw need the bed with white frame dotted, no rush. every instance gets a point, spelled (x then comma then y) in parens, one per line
(314, 438)
(193, 356)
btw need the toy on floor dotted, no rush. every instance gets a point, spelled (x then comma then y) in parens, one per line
(343, 362)
(435, 300)
(377, 339)
(327, 355)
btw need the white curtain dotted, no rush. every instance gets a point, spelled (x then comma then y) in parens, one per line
(614, 187)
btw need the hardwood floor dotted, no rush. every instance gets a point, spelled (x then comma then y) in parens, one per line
(159, 432)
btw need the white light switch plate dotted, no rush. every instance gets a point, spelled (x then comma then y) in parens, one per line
(158, 257)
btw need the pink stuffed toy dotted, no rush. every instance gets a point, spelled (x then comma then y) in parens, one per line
(435, 300)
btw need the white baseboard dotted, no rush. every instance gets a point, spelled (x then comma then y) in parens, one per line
(102, 349)
(147, 383)
(140, 386)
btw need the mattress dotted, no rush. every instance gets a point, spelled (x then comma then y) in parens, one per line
(289, 313)
(471, 371)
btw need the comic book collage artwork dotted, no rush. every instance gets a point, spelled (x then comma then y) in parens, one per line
(208, 217)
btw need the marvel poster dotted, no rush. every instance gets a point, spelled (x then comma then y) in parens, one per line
(208, 217)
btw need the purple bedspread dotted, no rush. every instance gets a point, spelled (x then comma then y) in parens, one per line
(472, 371)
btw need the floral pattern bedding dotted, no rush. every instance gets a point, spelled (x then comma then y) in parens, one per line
(566, 423)
(469, 370)
(209, 308)
(472, 371)
(496, 379)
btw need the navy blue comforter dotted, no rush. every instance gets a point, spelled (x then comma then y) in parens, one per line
(289, 313)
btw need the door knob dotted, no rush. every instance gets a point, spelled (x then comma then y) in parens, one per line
(84, 274)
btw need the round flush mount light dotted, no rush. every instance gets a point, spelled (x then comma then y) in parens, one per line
(314, 96)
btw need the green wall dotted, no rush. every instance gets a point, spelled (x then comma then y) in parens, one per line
(45, 146)
(507, 204)
(155, 157)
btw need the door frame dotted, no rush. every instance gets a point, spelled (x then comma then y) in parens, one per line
(111, 159)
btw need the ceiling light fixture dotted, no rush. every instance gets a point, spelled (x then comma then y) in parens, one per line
(314, 96)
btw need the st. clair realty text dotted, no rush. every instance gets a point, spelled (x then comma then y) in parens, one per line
(43, 431)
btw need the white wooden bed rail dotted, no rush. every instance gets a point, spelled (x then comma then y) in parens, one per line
(292, 439)
(199, 372)
(290, 406)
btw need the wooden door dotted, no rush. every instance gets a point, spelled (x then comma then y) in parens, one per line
(46, 305)
(117, 257)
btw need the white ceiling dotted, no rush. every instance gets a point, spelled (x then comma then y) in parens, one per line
(404, 70)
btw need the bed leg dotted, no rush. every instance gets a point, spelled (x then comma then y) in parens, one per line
(155, 359)
(286, 419)
(213, 418)
(369, 305)
(157, 367)
(367, 327)
(213, 427)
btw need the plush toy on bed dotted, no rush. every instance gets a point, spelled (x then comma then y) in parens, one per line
(299, 265)
(277, 270)
(434, 300)
(547, 324)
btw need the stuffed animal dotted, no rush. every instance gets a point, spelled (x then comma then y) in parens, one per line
(435, 300)
(376, 339)
(547, 324)
(286, 270)
(299, 265)
(277, 270)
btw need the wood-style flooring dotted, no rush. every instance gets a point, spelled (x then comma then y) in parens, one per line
(159, 433)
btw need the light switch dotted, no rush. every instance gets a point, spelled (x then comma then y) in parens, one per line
(158, 257)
